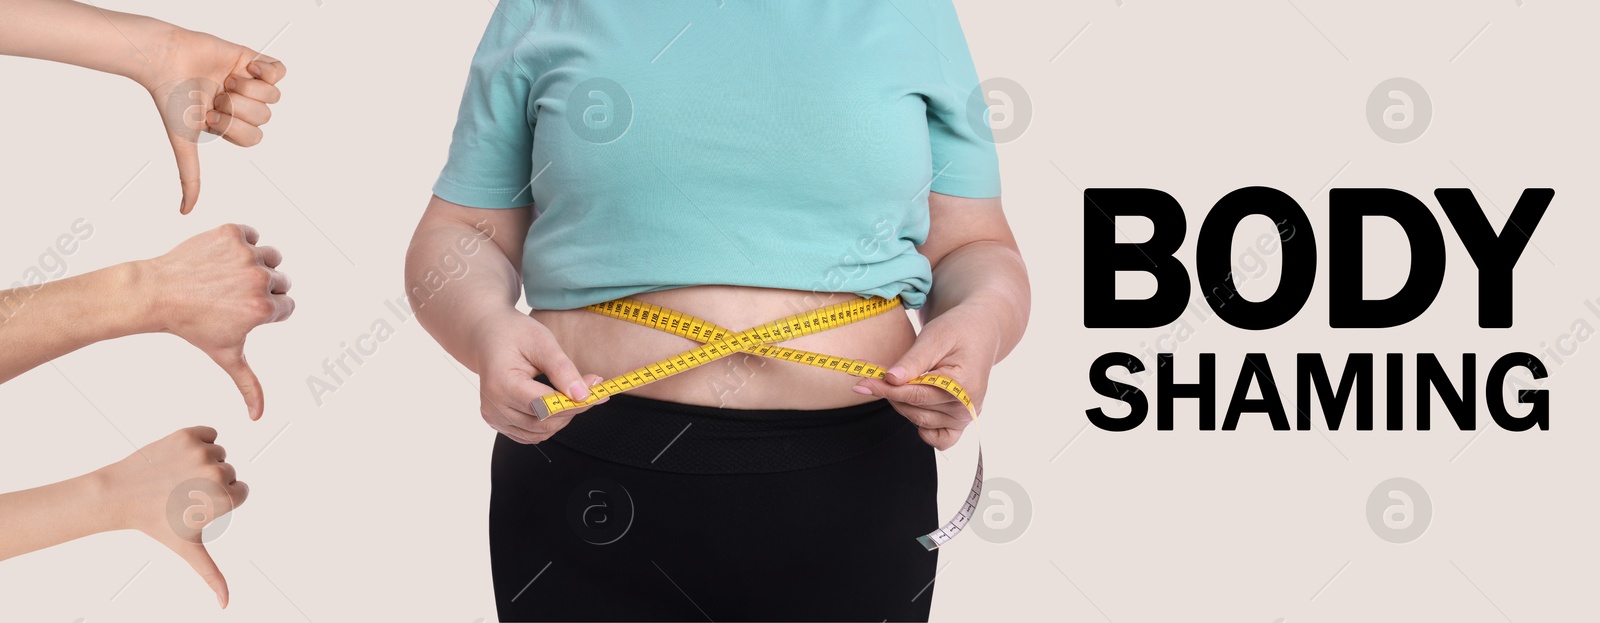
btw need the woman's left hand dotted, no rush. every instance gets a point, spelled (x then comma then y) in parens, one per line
(961, 344)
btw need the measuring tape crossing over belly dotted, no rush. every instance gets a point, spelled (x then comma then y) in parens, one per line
(717, 342)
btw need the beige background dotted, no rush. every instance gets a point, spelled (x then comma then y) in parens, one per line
(373, 506)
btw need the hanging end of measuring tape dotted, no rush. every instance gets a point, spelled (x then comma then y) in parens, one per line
(950, 529)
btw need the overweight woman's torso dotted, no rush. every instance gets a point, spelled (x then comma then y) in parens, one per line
(608, 347)
(801, 162)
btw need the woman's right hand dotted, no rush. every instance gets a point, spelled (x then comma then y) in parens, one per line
(171, 490)
(212, 290)
(513, 348)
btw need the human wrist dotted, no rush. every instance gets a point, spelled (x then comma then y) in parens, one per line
(138, 284)
(489, 327)
(132, 48)
(984, 322)
(94, 503)
(153, 39)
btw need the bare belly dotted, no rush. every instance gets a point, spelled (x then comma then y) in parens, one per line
(608, 347)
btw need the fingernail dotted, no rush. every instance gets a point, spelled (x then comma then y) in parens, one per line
(213, 117)
(861, 390)
(255, 70)
(578, 391)
(229, 83)
(221, 602)
(898, 373)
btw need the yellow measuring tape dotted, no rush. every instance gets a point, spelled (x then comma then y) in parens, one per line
(717, 342)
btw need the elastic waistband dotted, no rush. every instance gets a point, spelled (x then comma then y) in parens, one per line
(669, 436)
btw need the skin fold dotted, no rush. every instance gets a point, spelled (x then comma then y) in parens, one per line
(198, 82)
(972, 319)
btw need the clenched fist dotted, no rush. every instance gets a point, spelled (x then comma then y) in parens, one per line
(171, 490)
(212, 290)
(204, 84)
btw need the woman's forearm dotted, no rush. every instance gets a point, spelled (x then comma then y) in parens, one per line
(50, 515)
(41, 322)
(457, 276)
(989, 275)
(81, 34)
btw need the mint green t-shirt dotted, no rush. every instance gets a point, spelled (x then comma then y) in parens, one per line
(778, 144)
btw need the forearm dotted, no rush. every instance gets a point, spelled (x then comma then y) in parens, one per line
(455, 280)
(987, 275)
(39, 323)
(83, 35)
(53, 514)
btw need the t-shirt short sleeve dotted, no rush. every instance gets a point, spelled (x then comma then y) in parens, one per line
(965, 163)
(491, 149)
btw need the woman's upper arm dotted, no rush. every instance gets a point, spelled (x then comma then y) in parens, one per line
(955, 222)
(507, 227)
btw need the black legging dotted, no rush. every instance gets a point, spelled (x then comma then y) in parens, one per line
(660, 530)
